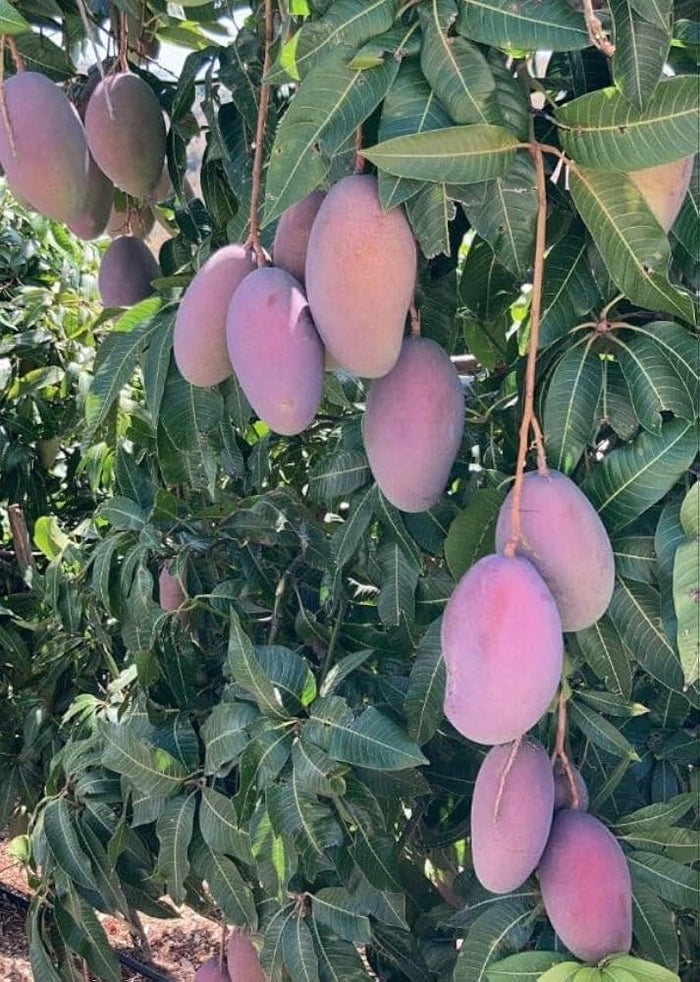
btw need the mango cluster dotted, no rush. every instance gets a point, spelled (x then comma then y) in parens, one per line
(242, 963)
(70, 169)
(339, 292)
(503, 649)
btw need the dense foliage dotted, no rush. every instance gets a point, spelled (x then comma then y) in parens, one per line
(274, 752)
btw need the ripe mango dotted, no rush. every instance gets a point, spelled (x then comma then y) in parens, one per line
(127, 270)
(664, 188)
(292, 236)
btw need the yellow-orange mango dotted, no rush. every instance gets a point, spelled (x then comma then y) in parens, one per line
(503, 650)
(360, 276)
(126, 133)
(44, 152)
(292, 235)
(562, 535)
(664, 188)
(199, 340)
(413, 425)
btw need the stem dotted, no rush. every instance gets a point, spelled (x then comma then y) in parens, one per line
(359, 159)
(504, 776)
(599, 38)
(560, 751)
(254, 236)
(529, 419)
(16, 56)
(275, 617)
(21, 539)
(3, 105)
(123, 42)
(334, 640)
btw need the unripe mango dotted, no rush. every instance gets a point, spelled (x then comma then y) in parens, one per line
(199, 340)
(242, 959)
(664, 188)
(586, 887)
(503, 650)
(360, 276)
(127, 270)
(93, 218)
(126, 133)
(563, 797)
(564, 538)
(275, 351)
(210, 971)
(413, 425)
(48, 164)
(508, 835)
(292, 235)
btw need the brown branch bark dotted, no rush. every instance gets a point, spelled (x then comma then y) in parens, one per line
(21, 539)
(254, 236)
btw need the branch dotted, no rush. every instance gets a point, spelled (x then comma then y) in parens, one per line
(529, 420)
(254, 236)
(560, 751)
(20, 537)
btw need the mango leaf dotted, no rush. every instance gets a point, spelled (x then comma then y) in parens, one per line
(331, 907)
(630, 479)
(329, 105)
(686, 598)
(529, 26)
(150, 769)
(397, 587)
(690, 512)
(655, 11)
(189, 411)
(641, 49)
(337, 959)
(472, 533)
(298, 950)
(346, 538)
(455, 155)
(39, 957)
(501, 930)
(375, 742)
(600, 731)
(605, 654)
(426, 687)
(654, 383)
(243, 666)
(653, 926)
(226, 885)
(261, 761)
(347, 22)
(63, 841)
(527, 965)
(602, 129)
(174, 831)
(11, 21)
(456, 70)
(488, 291)
(338, 474)
(635, 611)
(430, 212)
(156, 363)
(92, 942)
(570, 406)
(224, 734)
(677, 884)
(642, 971)
(393, 524)
(635, 557)
(218, 824)
(122, 513)
(569, 290)
(633, 245)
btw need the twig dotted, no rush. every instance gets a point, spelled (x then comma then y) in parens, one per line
(560, 751)
(16, 56)
(254, 236)
(3, 104)
(123, 42)
(504, 776)
(20, 537)
(359, 157)
(529, 419)
(599, 38)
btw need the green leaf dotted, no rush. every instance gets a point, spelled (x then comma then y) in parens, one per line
(654, 384)
(39, 958)
(49, 537)
(243, 666)
(313, 769)
(156, 364)
(635, 611)
(11, 21)
(338, 961)
(642, 971)
(189, 411)
(122, 513)
(654, 927)
(260, 763)
(426, 687)
(641, 50)
(375, 742)
(393, 523)
(40, 54)
(570, 406)
(472, 533)
(226, 885)
(63, 842)
(633, 245)
(503, 929)
(94, 945)
(218, 823)
(430, 212)
(397, 587)
(174, 831)
(347, 22)
(338, 474)
(529, 26)
(569, 290)
(690, 510)
(331, 907)
(681, 349)
(655, 11)
(329, 105)
(298, 814)
(346, 539)
(602, 129)
(686, 597)
(488, 291)
(456, 70)
(600, 731)
(504, 213)
(298, 950)
(632, 478)
(455, 155)
(102, 865)
(635, 557)
(289, 674)
(528, 965)
(677, 884)
(224, 734)
(151, 770)
(564, 972)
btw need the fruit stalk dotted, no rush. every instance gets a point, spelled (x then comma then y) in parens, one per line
(561, 754)
(3, 105)
(16, 56)
(529, 419)
(254, 236)
(359, 158)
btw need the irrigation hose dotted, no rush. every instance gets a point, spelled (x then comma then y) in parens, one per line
(132, 964)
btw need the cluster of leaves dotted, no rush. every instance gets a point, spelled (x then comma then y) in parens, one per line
(275, 753)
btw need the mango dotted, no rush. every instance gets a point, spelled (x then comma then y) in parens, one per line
(292, 235)
(94, 216)
(210, 971)
(664, 188)
(242, 959)
(563, 797)
(126, 272)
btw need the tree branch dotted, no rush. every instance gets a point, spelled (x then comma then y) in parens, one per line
(254, 236)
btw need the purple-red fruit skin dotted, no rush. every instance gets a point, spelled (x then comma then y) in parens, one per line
(94, 215)
(563, 797)
(243, 960)
(170, 590)
(126, 273)
(360, 276)
(209, 971)
(586, 887)
(508, 841)
(413, 425)
(503, 650)
(564, 538)
(292, 235)
(48, 167)
(126, 132)
(275, 351)
(199, 339)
